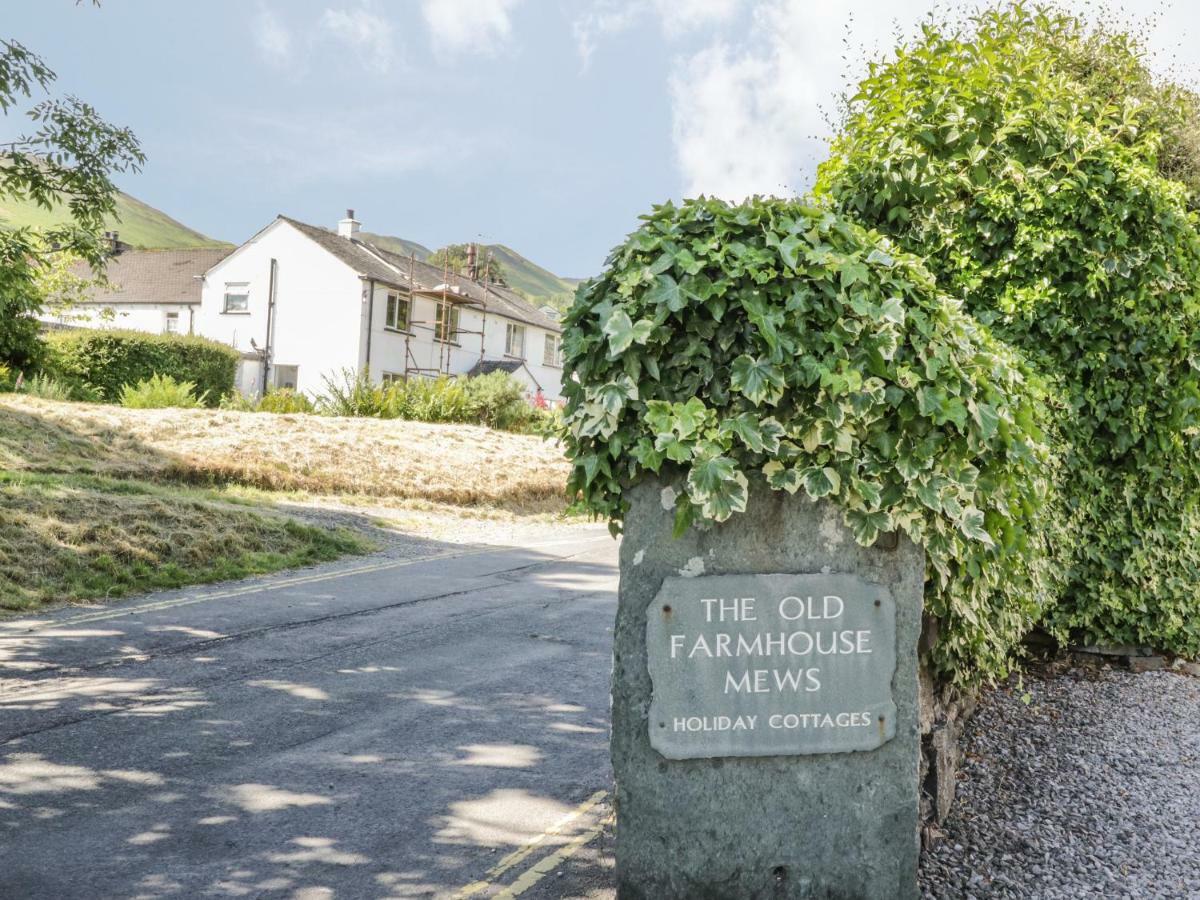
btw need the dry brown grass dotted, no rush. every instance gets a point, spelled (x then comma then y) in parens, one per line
(463, 465)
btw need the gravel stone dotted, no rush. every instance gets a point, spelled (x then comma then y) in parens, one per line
(1076, 784)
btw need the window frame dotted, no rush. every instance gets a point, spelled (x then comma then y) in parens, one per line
(169, 317)
(511, 329)
(392, 322)
(226, 310)
(552, 359)
(287, 367)
(386, 378)
(440, 333)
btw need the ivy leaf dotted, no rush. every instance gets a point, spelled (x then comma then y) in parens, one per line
(867, 526)
(820, 482)
(789, 250)
(759, 380)
(666, 292)
(971, 524)
(892, 310)
(622, 333)
(717, 487)
(780, 477)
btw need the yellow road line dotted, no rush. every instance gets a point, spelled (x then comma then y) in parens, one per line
(540, 870)
(490, 876)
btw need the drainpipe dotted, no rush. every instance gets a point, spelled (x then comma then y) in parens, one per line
(370, 322)
(266, 354)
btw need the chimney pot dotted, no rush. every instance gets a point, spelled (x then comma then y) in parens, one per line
(348, 227)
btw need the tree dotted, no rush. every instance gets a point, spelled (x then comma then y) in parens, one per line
(454, 256)
(66, 160)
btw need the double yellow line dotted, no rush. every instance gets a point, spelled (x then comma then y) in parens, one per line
(544, 866)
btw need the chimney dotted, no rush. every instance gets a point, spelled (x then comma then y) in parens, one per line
(472, 262)
(348, 227)
(111, 243)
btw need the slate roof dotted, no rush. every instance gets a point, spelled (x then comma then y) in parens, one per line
(153, 276)
(370, 261)
(487, 366)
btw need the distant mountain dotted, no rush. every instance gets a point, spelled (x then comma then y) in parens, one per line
(141, 225)
(526, 277)
(138, 224)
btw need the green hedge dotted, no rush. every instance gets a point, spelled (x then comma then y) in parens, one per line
(999, 151)
(109, 360)
(780, 342)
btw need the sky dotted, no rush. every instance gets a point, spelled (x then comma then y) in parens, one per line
(546, 125)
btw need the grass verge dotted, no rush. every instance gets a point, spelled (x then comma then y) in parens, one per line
(70, 537)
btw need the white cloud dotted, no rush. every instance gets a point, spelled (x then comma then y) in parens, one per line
(605, 18)
(364, 30)
(479, 26)
(271, 37)
(676, 18)
(680, 16)
(748, 117)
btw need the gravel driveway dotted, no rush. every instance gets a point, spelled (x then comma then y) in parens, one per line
(1080, 784)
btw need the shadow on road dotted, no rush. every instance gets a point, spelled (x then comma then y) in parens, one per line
(354, 737)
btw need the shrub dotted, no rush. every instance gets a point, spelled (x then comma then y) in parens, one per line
(285, 400)
(111, 359)
(351, 393)
(1009, 155)
(778, 342)
(7, 379)
(498, 401)
(161, 392)
(428, 400)
(47, 388)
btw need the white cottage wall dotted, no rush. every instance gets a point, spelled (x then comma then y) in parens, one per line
(318, 321)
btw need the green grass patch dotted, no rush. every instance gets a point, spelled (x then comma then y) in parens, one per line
(87, 537)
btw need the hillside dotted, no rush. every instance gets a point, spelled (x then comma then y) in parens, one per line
(138, 224)
(524, 276)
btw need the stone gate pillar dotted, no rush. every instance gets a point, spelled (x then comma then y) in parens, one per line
(765, 729)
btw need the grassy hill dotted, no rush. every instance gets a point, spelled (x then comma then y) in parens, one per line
(526, 277)
(137, 223)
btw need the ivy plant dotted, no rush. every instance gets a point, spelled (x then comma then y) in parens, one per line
(779, 342)
(1025, 157)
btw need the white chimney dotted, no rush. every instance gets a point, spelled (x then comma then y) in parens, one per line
(348, 227)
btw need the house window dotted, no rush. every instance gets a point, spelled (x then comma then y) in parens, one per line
(286, 377)
(553, 352)
(237, 298)
(514, 340)
(445, 323)
(396, 318)
(391, 378)
(171, 323)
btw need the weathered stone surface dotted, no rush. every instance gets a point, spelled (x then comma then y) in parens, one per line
(827, 825)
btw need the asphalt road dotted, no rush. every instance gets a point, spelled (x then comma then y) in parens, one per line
(377, 728)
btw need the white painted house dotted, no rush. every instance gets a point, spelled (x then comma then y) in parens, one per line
(147, 290)
(303, 303)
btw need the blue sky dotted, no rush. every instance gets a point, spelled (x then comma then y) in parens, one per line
(547, 125)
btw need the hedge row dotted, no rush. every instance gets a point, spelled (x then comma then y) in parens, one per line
(109, 360)
(984, 330)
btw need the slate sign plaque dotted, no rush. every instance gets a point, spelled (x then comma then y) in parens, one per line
(770, 665)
